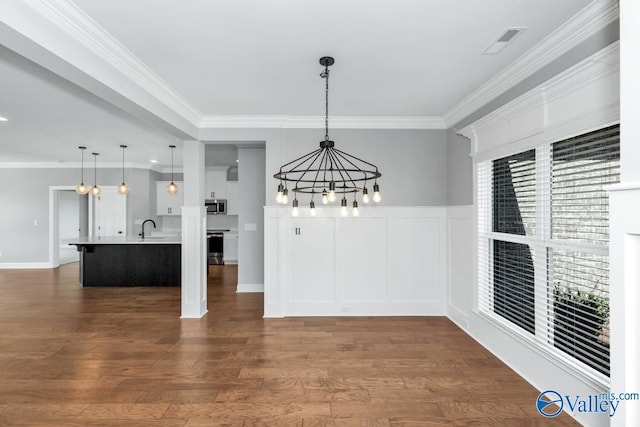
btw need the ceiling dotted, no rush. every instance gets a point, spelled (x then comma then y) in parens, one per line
(251, 57)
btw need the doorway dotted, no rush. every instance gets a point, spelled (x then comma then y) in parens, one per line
(72, 216)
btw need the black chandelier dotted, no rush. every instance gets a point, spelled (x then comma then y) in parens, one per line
(327, 171)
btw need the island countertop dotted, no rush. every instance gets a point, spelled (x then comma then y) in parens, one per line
(125, 240)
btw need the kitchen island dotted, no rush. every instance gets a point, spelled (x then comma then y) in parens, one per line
(129, 261)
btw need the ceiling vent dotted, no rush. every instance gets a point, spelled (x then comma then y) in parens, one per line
(507, 36)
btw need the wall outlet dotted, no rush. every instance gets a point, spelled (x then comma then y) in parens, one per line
(35, 222)
(138, 222)
(344, 309)
(250, 227)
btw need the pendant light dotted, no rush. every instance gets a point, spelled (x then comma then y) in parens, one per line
(95, 190)
(123, 188)
(172, 188)
(82, 188)
(327, 171)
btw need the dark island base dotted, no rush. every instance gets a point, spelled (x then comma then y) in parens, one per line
(130, 265)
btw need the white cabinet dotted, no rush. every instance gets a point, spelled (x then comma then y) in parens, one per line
(215, 184)
(232, 197)
(230, 242)
(166, 203)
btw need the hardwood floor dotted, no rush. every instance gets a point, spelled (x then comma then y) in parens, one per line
(122, 357)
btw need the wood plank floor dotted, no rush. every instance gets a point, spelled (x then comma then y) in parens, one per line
(122, 357)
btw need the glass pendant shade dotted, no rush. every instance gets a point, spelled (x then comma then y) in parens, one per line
(172, 188)
(82, 188)
(123, 188)
(95, 190)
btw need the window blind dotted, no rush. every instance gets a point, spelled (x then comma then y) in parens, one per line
(543, 244)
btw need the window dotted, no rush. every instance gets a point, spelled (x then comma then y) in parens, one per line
(543, 244)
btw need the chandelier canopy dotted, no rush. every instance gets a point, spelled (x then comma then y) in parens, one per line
(327, 171)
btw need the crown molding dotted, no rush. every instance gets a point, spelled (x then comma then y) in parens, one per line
(77, 165)
(317, 122)
(593, 18)
(71, 19)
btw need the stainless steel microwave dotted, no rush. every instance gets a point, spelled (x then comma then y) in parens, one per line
(216, 206)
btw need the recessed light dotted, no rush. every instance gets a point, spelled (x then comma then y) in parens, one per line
(154, 161)
(3, 119)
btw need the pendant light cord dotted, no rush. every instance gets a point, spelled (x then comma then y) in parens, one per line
(123, 147)
(82, 165)
(95, 172)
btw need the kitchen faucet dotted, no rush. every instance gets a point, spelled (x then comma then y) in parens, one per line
(145, 221)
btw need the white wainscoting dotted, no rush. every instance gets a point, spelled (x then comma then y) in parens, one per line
(390, 261)
(460, 264)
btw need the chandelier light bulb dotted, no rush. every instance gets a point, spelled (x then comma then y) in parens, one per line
(355, 211)
(312, 208)
(172, 188)
(295, 211)
(365, 195)
(280, 193)
(285, 197)
(376, 193)
(325, 198)
(343, 209)
(332, 191)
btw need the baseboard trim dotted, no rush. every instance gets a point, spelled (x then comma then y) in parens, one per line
(249, 288)
(24, 265)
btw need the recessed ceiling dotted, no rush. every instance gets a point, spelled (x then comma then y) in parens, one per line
(393, 58)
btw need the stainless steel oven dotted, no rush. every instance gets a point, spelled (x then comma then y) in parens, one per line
(216, 206)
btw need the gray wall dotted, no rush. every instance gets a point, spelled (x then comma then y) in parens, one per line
(25, 198)
(412, 162)
(459, 170)
(250, 206)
